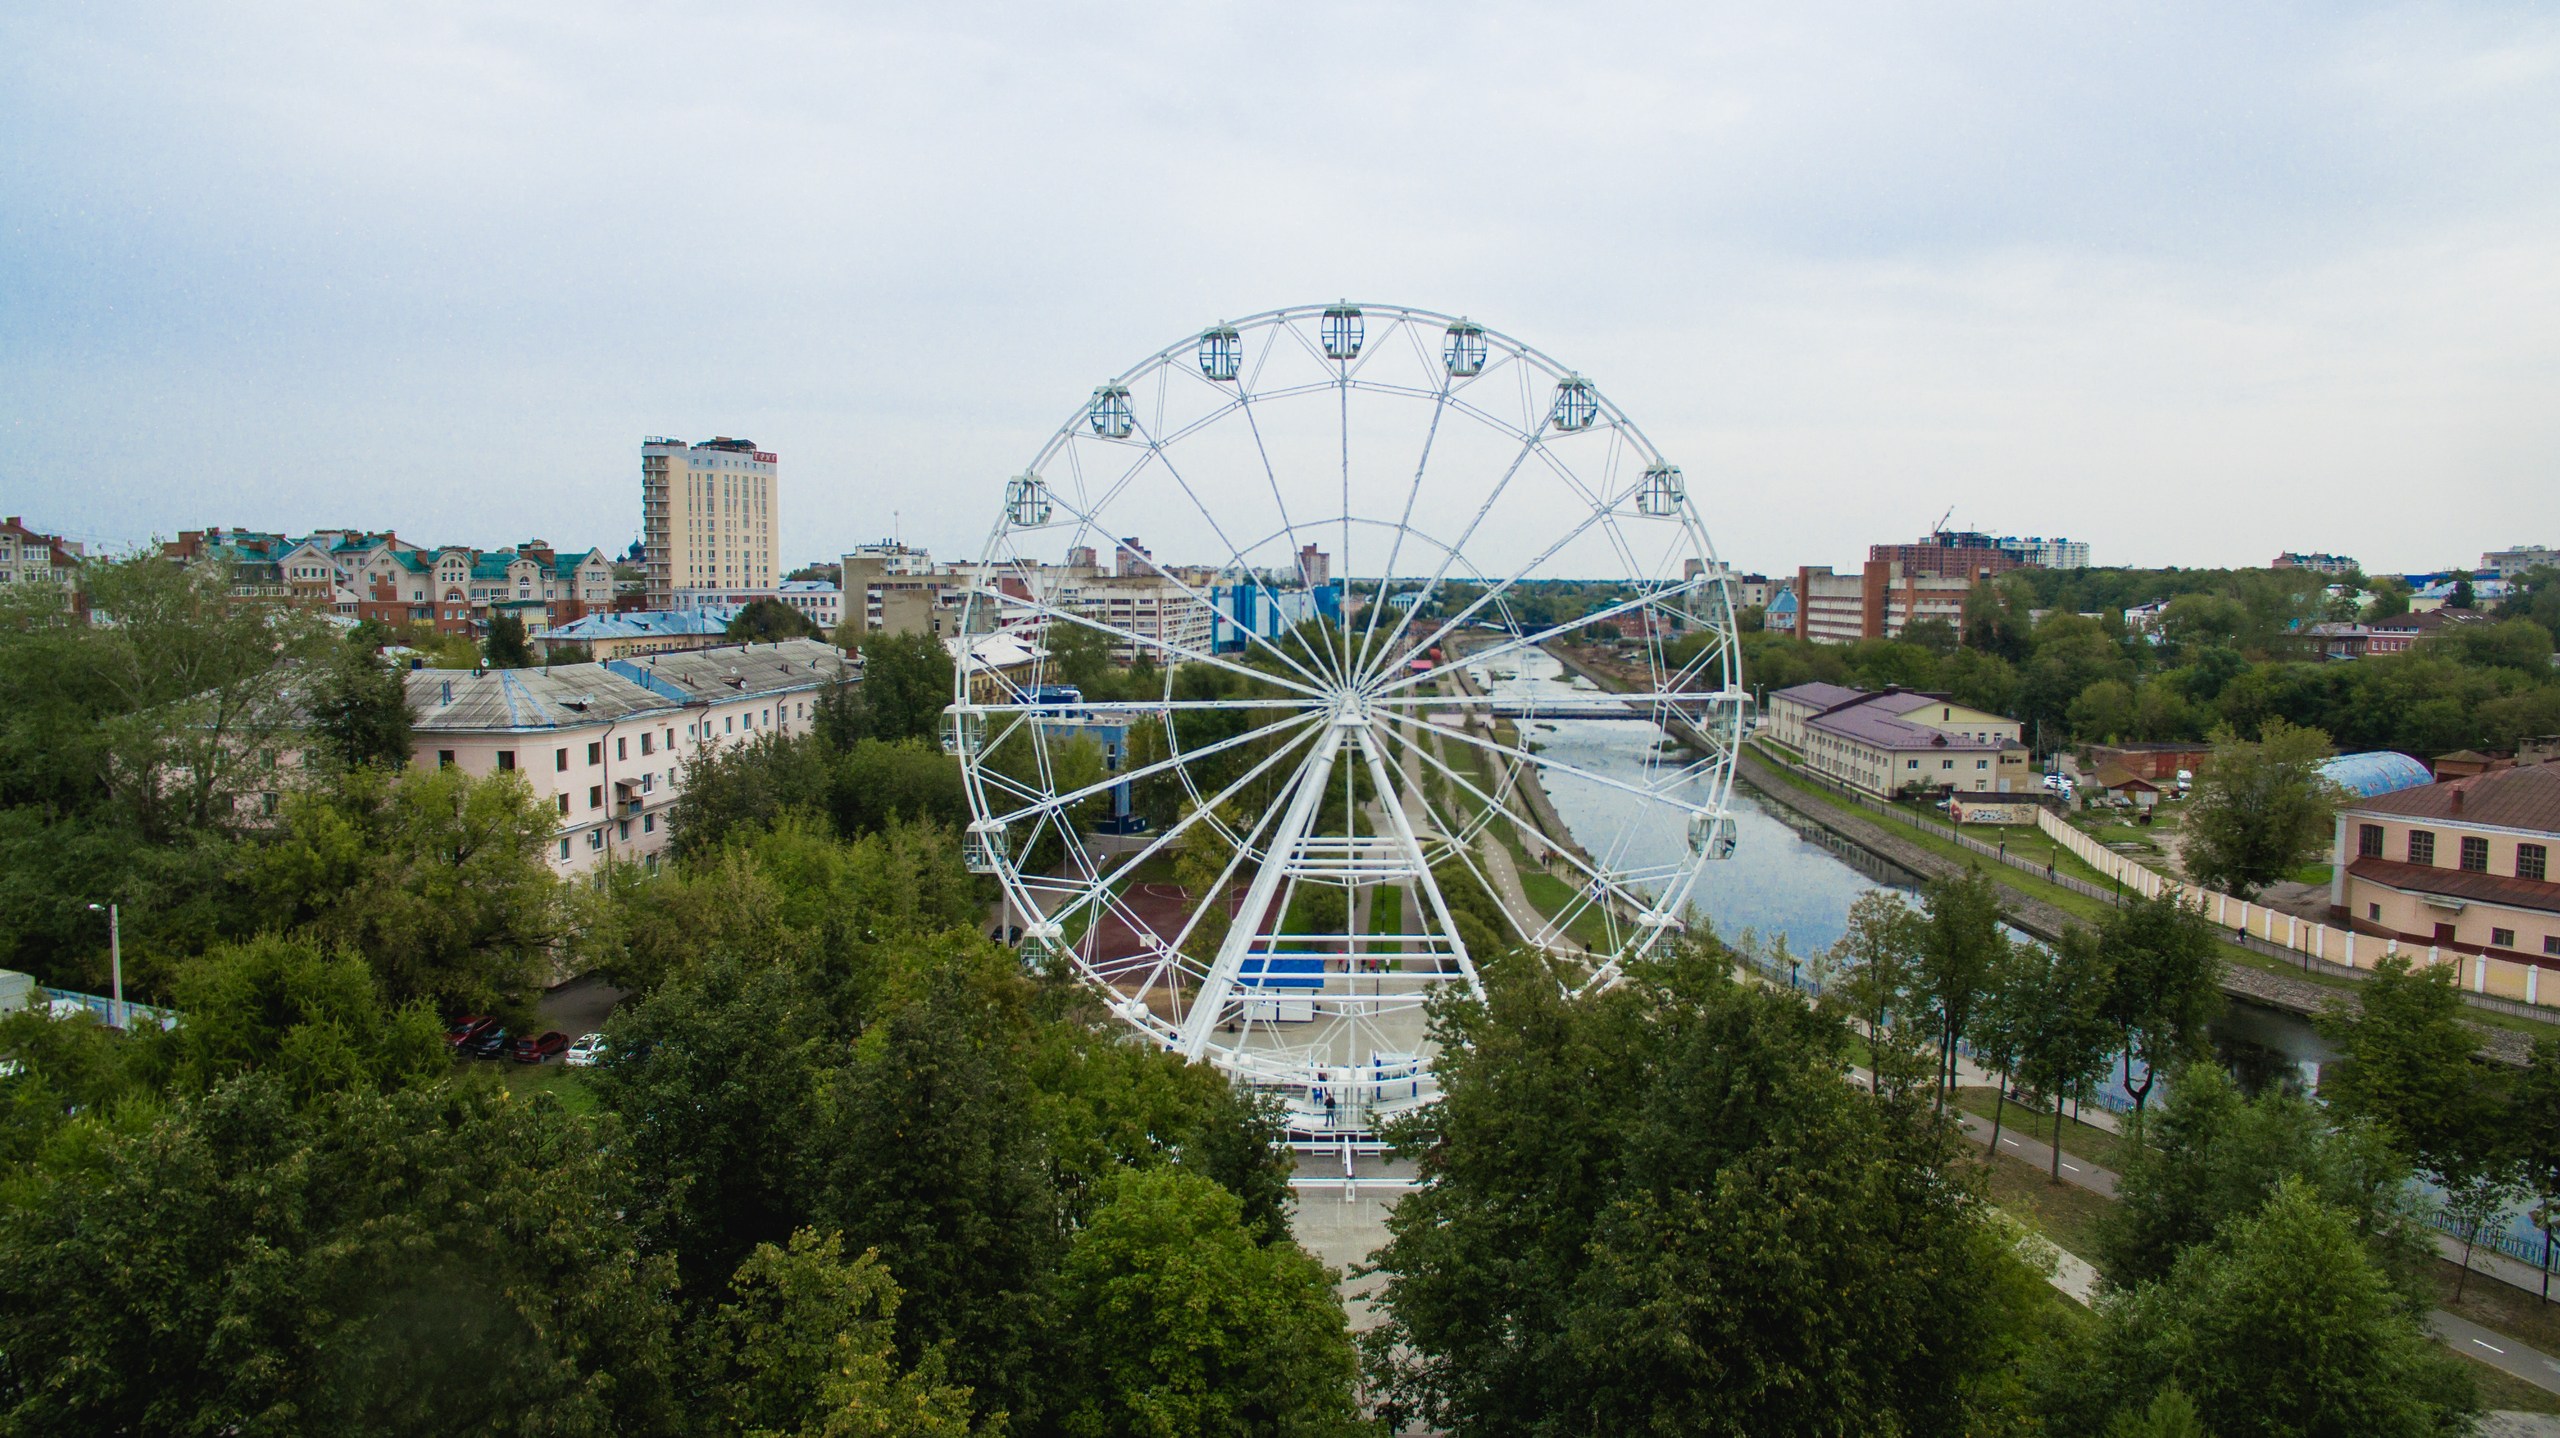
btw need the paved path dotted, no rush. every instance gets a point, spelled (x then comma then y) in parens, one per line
(2454, 1331)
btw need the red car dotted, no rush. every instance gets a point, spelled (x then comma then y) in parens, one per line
(541, 1048)
(463, 1031)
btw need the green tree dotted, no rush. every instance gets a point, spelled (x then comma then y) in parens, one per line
(768, 621)
(438, 877)
(447, 1260)
(1873, 973)
(1182, 1323)
(1665, 1208)
(2536, 1116)
(2210, 1156)
(803, 1348)
(315, 1023)
(1079, 655)
(2284, 1325)
(359, 709)
(507, 647)
(906, 684)
(1961, 946)
(2056, 996)
(2167, 985)
(2260, 808)
(2411, 1066)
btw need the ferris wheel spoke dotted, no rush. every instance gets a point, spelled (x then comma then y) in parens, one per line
(1091, 521)
(1457, 546)
(1142, 641)
(1494, 805)
(1236, 556)
(1551, 764)
(1404, 522)
(1176, 761)
(1526, 641)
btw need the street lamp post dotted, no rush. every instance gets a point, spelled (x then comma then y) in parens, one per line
(115, 961)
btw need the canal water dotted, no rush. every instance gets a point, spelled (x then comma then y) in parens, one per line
(1788, 879)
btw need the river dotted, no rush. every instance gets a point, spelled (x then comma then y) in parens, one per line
(1787, 879)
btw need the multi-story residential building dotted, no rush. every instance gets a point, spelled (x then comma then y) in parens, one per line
(1830, 608)
(1953, 553)
(2317, 563)
(1889, 741)
(710, 517)
(2508, 563)
(897, 558)
(2463, 868)
(1880, 602)
(1150, 616)
(604, 745)
(2038, 552)
(1315, 567)
(27, 557)
(822, 602)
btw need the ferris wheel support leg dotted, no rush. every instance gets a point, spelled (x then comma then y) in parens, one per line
(1246, 930)
(1391, 803)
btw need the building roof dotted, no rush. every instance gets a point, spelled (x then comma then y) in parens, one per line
(717, 675)
(2468, 884)
(2526, 798)
(563, 696)
(1819, 696)
(1863, 723)
(2378, 773)
(639, 624)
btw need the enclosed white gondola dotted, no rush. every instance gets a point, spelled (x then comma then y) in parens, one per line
(983, 849)
(1109, 414)
(1043, 949)
(1221, 353)
(1026, 501)
(1711, 836)
(1462, 350)
(1577, 405)
(1661, 492)
(964, 729)
(1342, 332)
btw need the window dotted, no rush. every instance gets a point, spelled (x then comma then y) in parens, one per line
(648, 745)
(2422, 847)
(595, 752)
(2368, 841)
(560, 761)
(1982, 763)
(2551, 944)
(1912, 764)
(595, 796)
(564, 803)
(564, 848)
(731, 725)
(625, 827)
(2373, 911)
(444, 758)
(648, 823)
(1946, 763)
(622, 748)
(506, 761)
(671, 738)
(595, 838)
(2475, 854)
(2532, 861)
(2502, 938)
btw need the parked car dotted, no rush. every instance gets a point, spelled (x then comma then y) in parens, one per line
(491, 1044)
(542, 1047)
(586, 1051)
(463, 1031)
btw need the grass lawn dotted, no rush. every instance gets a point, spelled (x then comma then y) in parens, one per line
(2067, 1215)
(1386, 910)
(2492, 1304)
(558, 1079)
(2504, 1392)
(1553, 896)
(2079, 1140)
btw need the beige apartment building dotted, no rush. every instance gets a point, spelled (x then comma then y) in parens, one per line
(605, 745)
(710, 517)
(1887, 741)
(2459, 868)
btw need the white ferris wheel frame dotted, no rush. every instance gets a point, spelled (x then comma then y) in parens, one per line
(1355, 704)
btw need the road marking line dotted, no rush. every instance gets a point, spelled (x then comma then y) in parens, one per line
(2491, 1347)
(2075, 1168)
(2011, 1142)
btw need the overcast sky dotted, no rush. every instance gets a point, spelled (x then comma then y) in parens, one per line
(2194, 283)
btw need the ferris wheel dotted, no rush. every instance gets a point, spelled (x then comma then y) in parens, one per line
(1254, 670)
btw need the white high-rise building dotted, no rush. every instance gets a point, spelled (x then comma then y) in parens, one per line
(711, 517)
(2048, 553)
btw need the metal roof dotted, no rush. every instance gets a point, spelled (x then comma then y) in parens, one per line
(2380, 772)
(2525, 798)
(563, 696)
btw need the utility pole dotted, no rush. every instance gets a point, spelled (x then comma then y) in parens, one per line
(115, 961)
